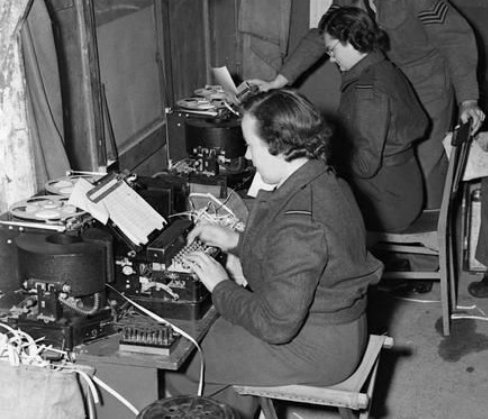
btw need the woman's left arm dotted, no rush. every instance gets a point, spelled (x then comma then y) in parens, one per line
(370, 123)
(290, 270)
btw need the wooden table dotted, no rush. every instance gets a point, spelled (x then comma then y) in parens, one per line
(135, 375)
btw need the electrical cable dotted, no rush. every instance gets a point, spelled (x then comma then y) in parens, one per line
(19, 348)
(175, 328)
(115, 394)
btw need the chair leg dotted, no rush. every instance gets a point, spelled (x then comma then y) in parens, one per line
(444, 271)
(452, 274)
(268, 408)
(348, 413)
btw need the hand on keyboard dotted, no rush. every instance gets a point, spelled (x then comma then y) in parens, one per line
(214, 235)
(208, 270)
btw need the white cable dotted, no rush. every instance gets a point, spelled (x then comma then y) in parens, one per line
(481, 311)
(230, 108)
(115, 394)
(176, 328)
(467, 316)
(92, 393)
(17, 356)
(22, 349)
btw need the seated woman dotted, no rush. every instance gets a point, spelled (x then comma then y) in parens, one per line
(382, 118)
(301, 317)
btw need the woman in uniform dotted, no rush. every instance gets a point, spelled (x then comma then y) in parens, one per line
(435, 47)
(382, 119)
(301, 318)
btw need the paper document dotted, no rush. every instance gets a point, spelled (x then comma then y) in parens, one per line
(224, 79)
(477, 163)
(118, 202)
(235, 94)
(78, 199)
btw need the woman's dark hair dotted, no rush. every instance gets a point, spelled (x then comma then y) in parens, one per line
(289, 124)
(354, 25)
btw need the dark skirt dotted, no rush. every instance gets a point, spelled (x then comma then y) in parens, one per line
(393, 199)
(320, 355)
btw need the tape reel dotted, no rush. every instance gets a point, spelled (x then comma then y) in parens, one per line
(211, 92)
(196, 103)
(45, 208)
(64, 186)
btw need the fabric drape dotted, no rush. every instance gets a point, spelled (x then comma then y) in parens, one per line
(43, 95)
(17, 172)
(31, 131)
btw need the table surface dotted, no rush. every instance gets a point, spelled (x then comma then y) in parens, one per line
(106, 350)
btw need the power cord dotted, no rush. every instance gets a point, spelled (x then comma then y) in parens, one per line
(175, 328)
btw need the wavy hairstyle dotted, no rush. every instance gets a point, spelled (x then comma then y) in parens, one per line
(289, 124)
(354, 25)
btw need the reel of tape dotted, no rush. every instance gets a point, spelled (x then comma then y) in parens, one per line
(64, 186)
(211, 92)
(196, 103)
(45, 208)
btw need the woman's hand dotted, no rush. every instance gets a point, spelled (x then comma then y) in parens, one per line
(279, 82)
(208, 270)
(214, 235)
(470, 109)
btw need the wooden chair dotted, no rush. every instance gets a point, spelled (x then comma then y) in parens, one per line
(351, 397)
(434, 232)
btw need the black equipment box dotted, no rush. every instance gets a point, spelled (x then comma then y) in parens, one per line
(165, 193)
(69, 331)
(10, 229)
(180, 310)
(213, 147)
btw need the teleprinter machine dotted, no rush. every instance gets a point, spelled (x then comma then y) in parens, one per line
(149, 253)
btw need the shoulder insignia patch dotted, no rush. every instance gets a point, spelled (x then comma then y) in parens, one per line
(434, 15)
(365, 89)
(364, 86)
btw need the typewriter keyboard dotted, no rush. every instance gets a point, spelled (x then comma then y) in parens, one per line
(178, 263)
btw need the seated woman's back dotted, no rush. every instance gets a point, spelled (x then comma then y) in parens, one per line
(382, 119)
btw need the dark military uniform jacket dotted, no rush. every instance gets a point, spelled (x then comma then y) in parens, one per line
(382, 118)
(303, 254)
(302, 319)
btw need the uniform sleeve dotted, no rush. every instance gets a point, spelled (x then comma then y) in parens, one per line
(309, 50)
(370, 121)
(455, 39)
(292, 267)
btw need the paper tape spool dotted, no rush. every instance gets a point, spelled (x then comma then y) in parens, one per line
(196, 103)
(45, 208)
(64, 186)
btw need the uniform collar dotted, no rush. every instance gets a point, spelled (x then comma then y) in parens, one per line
(298, 179)
(353, 74)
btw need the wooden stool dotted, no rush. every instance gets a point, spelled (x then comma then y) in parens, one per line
(350, 396)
